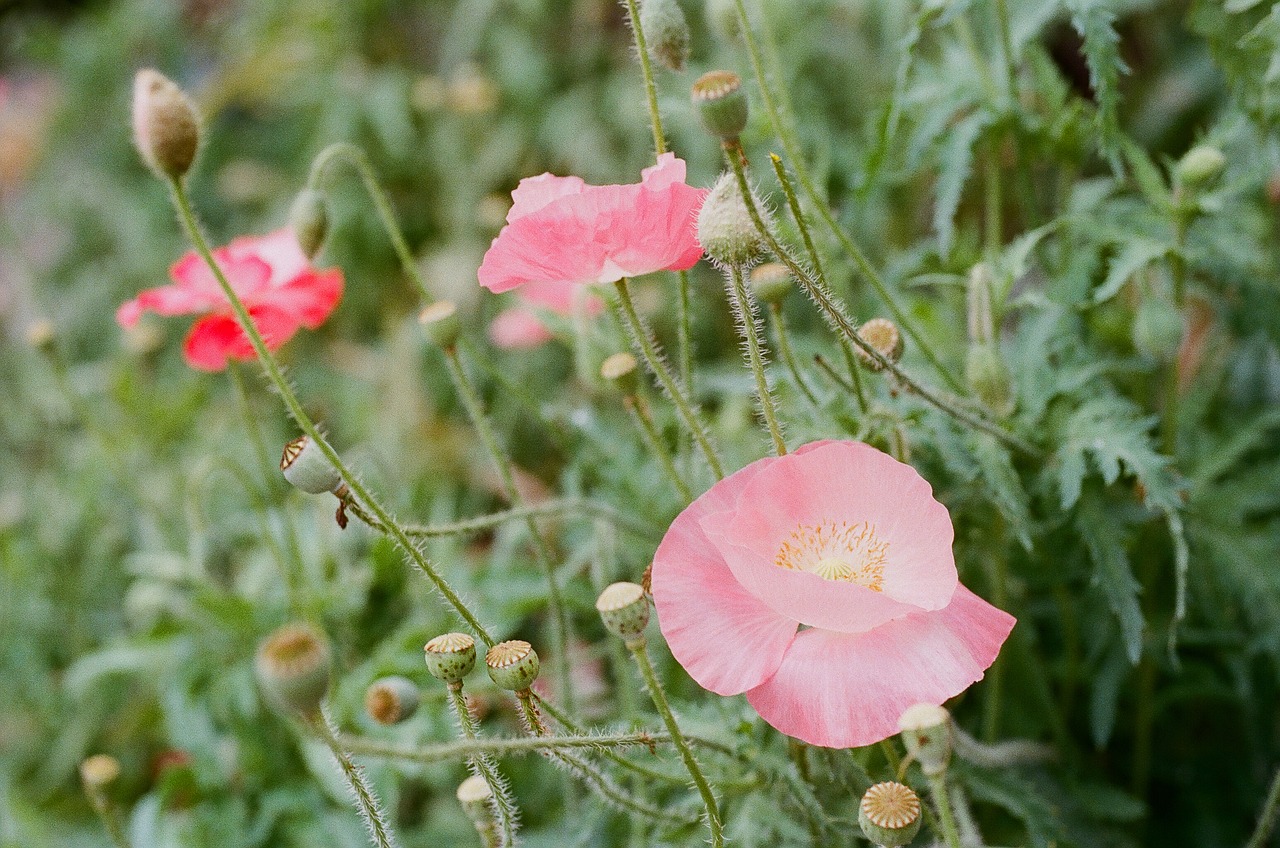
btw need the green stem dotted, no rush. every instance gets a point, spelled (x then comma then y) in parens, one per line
(649, 352)
(1006, 44)
(947, 820)
(788, 356)
(1267, 817)
(494, 519)
(745, 309)
(276, 376)
(353, 155)
(542, 551)
(993, 226)
(792, 149)
(835, 315)
(793, 203)
(110, 818)
(639, 410)
(501, 805)
(641, 653)
(367, 803)
(1178, 270)
(470, 747)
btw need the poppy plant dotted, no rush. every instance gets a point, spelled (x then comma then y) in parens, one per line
(822, 584)
(561, 230)
(279, 287)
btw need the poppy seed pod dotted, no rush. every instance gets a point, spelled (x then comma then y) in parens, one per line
(440, 322)
(884, 337)
(771, 282)
(625, 610)
(1200, 166)
(889, 814)
(512, 665)
(166, 128)
(474, 794)
(721, 103)
(926, 731)
(621, 370)
(450, 656)
(391, 700)
(99, 772)
(292, 667)
(725, 227)
(304, 465)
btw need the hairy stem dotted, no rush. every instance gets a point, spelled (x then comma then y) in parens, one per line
(946, 819)
(470, 747)
(367, 803)
(639, 410)
(744, 308)
(558, 506)
(788, 355)
(501, 805)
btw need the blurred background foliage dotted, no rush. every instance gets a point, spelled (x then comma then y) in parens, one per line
(141, 542)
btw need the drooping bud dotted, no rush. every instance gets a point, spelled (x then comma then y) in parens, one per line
(981, 319)
(723, 17)
(391, 700)
(1200, 166)
(440, 322)
(98, 772)
(721, 103)
(926, 731)
(988, 377)
(889, 814)
(166, 128)
(621, 369)
(624, 609)
(474, 794)
(725, 228)
(884, 338)
(450, 656)
(512, 665)
(771, 282)
(1157, 328)
(666, 32)
(304, 465)
(309, 218)
(293, 668)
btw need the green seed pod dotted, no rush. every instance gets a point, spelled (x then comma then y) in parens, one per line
(666, 32)
(450, 656)
(309, 218)
(725, 228)
(304, 465)
(166, 128)
(98, 772)
(293, 668)
(926, 731)
(771, 282)
(889, 814)
(474, 794)
(440, 322)
(988, 376)
(512, 665)
(1157, 328)
(884, 337)
(625, 610)
(721, 103)
(621, 370)
(391, 700)
(1200, 166)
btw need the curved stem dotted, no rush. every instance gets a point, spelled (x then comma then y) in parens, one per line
(641, 653)
(946, 819)
(744, 308)
(541, 550)
(274, 373)
(350, 153)
(1267, 816)
(370, 809)
(493, 519)
(788, 356)
(649, 351)
(639, 409)
(505, 813)
(470, 747)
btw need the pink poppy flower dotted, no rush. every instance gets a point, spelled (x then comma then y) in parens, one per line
(272, 276)
(518, 328)
(822, 584)
(561, 230)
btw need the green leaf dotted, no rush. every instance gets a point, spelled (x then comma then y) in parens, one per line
(1095, 22)
(1111, 432)
(1104, 696)
(957, 162)
(1104, 535)
(1131, 259)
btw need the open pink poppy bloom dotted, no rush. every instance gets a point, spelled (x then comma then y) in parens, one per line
(822, 584)
(522, 327)
(272, 276)
(561, 230)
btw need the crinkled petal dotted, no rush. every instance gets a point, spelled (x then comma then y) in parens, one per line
(534, 193)
(195, 289)
(280, 250)
(843, 690)
(217, 338)
(310, 296)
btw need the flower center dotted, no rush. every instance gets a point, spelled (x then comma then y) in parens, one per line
(839, 551)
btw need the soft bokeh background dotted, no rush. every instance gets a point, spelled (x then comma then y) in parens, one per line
(140, 541)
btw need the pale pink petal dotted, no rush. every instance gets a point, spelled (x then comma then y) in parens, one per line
(543, 247)
(247, 275)
(217, 338)
(311, 296)
(670, 170)
(518, 329)
(280, 250)
(560, 296)
(534, 193)
(842, 690)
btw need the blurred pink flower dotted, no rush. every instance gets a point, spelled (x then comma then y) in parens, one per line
(272, 276)
(822, 584)
(561, 230)
(518, 328)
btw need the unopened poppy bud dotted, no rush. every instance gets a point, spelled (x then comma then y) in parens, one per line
(725, 228)
(391, 700)
(304, 465)
(926, 731)
(512, 665)
(1200, 166)
(981, 319)
(624, 609)
(474, 794)
(988, 377)
(721, 103)
(666, 32)
(884, 338)
(722, 15)
(440, 322)
(98, 772)
(621, 370)
(309, 218)
(293, 668)
(166, 128)
(889, 814)
(1157, 328)
(771, 282)
(450, 656)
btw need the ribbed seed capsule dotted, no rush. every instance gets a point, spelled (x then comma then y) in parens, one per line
(884, 337)
(98, 772)
(512, 665)
(474, 794)
(620, 370)
(624, 609)
(926, 732)
(440, 322)
(391, 700)
(771, 282)
(889, 814)
(292, 667)
(721, 103)
(304, 465)
(450, 656)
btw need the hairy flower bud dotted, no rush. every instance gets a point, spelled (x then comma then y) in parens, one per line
(771, 282)
(1200, 166)
(292, 667)
(722, 15)
(304, 465)
(440, 322)
(721, 103)
(725, 228)
(625, 610)
(666, 32)
(512, 665)
(621, 370)
(309, 218)
(926, 732)
(1157, 328)
(884, 338)
(988, 377)
(166, 128)
(391, 700)
(889, 814)
(450, 656)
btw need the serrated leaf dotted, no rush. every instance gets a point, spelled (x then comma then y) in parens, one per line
(1104, 536)
(956, 164)
(1104, 696)
(1002, 484)
(1111, 433)
(1145, 173)
(1095, 22)
(1131, 259)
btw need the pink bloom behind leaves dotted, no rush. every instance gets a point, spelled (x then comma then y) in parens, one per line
(848, 543)
(270, 274)
(561, 230)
